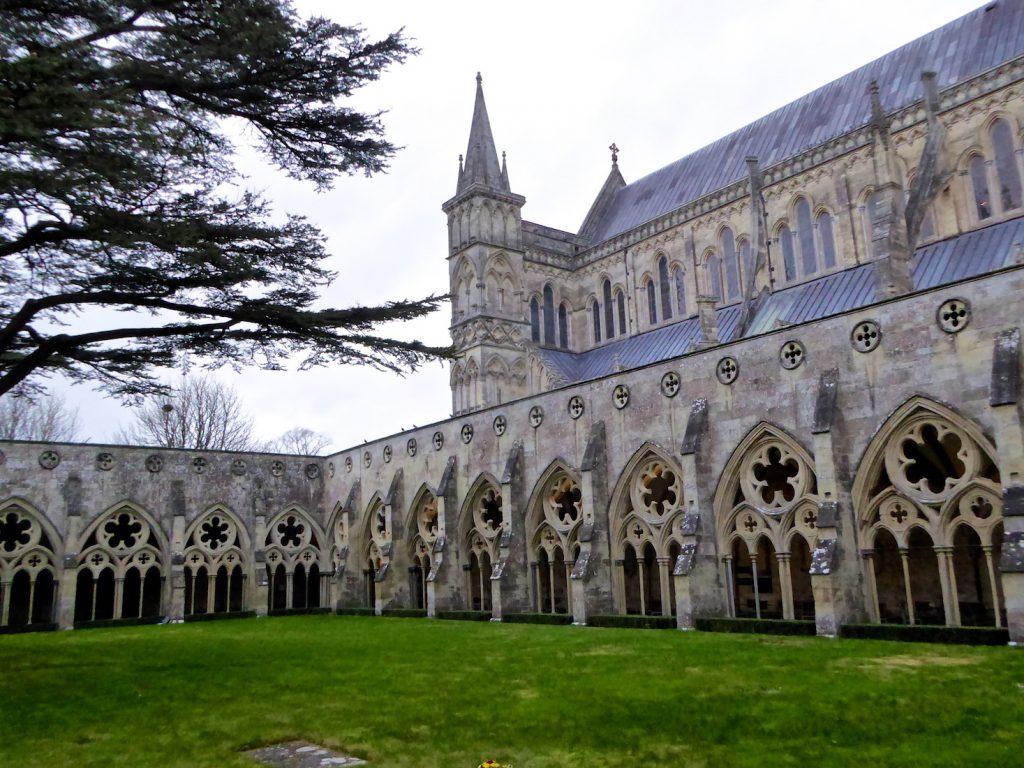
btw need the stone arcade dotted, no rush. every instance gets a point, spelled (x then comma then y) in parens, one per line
(779, 377)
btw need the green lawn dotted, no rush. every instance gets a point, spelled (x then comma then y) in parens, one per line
(446, 694)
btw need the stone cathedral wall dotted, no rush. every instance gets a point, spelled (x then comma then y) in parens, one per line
(360, 507)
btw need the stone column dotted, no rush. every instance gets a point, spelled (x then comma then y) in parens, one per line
(591, 578)
(688, 584)
(258, 598)
(176, 607)
(68, 574)
(786, 582)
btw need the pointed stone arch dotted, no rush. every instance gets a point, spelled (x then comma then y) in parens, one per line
(121, 566)
(554, 517)
(765, 501)
(31, 556)
(217, 566)
(297, 562)
(927, 498)
(423, 528)
(645, 522)
(480, 525)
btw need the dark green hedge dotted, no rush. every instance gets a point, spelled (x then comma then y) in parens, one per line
(297, 611)
(465, 615)
(755, 626)
(537, 618)
(405, 613)
(355, 612)
(17, 629)
(633, 622)
(218, 616)
(927, 634)
(102, 623)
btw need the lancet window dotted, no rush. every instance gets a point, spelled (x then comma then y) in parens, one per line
(214, 573)
(732, 267)
(929, 503)
(28, 568)
(120, 568)
(1006, 166)
(665, 287)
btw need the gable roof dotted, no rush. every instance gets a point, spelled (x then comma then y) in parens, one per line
(958, 51)
(948, 261)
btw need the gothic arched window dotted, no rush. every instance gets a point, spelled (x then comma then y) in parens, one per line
(828, 243)
(652, 305)
(534, 319)
(563, 327)
(785, 238)
(666, 288)
(1006, 166)
(732, 271)
(979, 184)
(805, 234)
(620, 302)
(609, 310)
(714, 272)
(595, 309)
(678, 277)
(549, 315)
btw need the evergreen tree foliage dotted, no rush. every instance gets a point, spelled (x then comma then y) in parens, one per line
(116, 189)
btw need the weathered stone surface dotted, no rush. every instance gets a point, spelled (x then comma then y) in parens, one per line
(301, 754)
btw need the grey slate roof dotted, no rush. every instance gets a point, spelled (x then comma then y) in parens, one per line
(949, 261)
(958, 51)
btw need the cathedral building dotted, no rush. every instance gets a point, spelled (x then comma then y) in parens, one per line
(778, 378)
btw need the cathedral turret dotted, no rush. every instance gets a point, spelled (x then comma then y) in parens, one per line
(485, 264)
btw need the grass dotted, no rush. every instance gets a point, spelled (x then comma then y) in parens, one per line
(445, 694)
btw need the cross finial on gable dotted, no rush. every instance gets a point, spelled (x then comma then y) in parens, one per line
(615, 153)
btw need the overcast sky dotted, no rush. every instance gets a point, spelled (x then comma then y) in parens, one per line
(562, 81)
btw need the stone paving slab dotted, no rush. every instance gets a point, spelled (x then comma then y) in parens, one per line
(301, 754)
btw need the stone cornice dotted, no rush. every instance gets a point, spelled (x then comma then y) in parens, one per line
(478, 190)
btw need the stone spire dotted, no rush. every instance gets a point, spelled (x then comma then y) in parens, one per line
(481, 164)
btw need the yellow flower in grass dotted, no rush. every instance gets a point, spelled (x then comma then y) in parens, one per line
(493, 764)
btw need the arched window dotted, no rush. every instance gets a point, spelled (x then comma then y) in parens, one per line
(595, 308)
(620, 302)
(28, 559)
(609, 310)
(549, 315)
(979, 183)
(678, 277)
(788, 257)
(534, 319)
(828, 244)
(652, 305)
(1006, 166)
(745, 261)
(732, 270)
(214, 577)
(714, 272)
(805, 233)
(563, 327)
(666, 288)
